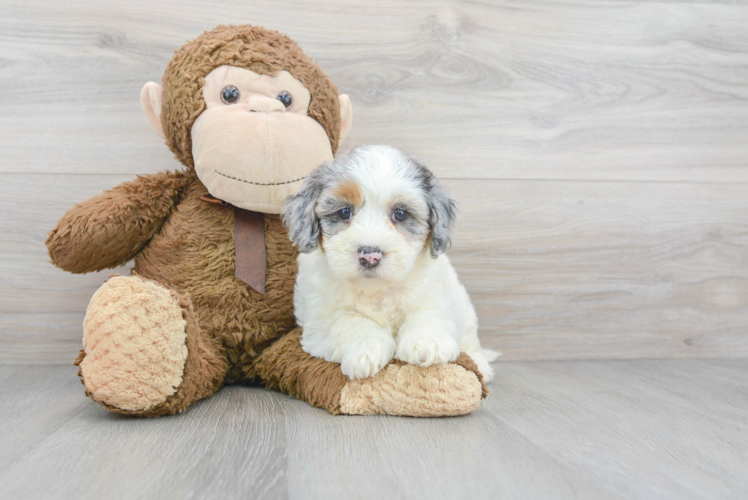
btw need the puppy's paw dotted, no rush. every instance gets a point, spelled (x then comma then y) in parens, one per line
(426, 348)
(366, 358)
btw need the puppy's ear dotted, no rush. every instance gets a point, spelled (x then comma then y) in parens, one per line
(442, 208)
(442, 212)
(298, 213)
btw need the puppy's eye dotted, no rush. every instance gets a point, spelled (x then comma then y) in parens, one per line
(286, 98)
(399, 215)
(344, 213)
(230, 94)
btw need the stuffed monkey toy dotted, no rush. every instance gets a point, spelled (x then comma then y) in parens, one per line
(209, 301)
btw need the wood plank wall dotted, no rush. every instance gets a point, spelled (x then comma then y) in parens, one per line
(598, 151)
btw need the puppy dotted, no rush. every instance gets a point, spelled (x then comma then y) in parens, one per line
(373, 281)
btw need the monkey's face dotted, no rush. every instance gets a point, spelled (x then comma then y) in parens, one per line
(257, 124)
(255, 144)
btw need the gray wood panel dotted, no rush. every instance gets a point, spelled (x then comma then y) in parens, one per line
(505, 89)
(669, 429)
(42, 307)
(573, 270)
(557, 270)
(598, 149)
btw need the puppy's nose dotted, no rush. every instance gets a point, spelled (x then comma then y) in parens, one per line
(369, 257)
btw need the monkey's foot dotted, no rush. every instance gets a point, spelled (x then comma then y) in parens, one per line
(399, 389)
(135, 344)
(402, 389)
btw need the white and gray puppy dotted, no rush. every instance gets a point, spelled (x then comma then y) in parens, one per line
(373, 282)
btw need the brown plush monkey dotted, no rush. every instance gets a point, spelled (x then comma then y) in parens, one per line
(209, 301)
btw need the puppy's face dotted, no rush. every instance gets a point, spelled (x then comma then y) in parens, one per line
(372, 212)
(374, 222)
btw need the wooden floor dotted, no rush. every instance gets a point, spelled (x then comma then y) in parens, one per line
(616, 429)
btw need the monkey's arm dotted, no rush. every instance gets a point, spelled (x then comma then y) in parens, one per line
(110, 229)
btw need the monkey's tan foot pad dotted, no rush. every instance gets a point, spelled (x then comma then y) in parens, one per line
(134, 339)
(408, 390)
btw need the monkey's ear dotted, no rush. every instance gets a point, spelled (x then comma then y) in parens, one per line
(346, 117)
(151, 99)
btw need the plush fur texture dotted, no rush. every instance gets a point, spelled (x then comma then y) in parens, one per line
(183, 292)
(233, 334)
(254, 152)
(251, 47)
(194, 253)
(378, 285)
(203, 374)
(147, 318)
(453, 389)
(193, 256)
(309, 379)
(399, 389)
(110, 229)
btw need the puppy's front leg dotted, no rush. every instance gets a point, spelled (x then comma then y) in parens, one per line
(425, 339)
(365, 347)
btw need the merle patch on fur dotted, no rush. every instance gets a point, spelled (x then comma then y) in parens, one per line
(298, 213)
(442, 208)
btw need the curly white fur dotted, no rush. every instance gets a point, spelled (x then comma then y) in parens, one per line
(411, 305)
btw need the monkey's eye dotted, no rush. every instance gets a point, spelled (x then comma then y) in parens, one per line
(230, 94)
(399, 215)
(286, 98)
(344, 213)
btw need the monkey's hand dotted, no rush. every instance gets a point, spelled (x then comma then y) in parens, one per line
(110, 229)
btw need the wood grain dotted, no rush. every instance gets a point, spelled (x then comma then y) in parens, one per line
(598, 151)
(557, 270)
(186, 456)
(668, 429)
(573, 270)
(503, 90)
